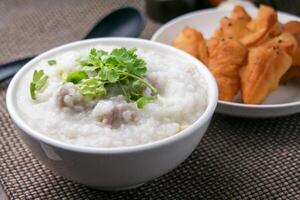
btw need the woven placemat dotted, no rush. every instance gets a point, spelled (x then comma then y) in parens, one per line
(236, 159)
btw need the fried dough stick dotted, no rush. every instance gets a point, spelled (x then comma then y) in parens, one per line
(262, 28)
(234, 26)
(293, 27)
(266, 65)
(249, 32)
(226, 56)
(192, 41)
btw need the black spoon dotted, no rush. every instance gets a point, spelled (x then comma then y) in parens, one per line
(124, 22)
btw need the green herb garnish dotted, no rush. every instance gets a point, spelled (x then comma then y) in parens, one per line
(142, 101)
(76, 76)
(52, 62)
(39, 80)
(120, 71)
(92, 88)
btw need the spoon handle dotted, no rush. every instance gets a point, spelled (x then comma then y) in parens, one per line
(9, 69)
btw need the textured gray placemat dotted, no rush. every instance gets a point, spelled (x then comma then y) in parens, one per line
(236, 159)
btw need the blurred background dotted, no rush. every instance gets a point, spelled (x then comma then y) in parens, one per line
(164, 10)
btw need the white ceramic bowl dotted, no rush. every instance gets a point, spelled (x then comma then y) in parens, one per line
(283, 101)
(113, 168)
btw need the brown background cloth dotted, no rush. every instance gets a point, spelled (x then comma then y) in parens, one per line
(236, 159)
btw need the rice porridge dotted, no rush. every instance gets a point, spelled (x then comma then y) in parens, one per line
(103, 96)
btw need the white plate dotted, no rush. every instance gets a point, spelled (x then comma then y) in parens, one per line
(284, 101)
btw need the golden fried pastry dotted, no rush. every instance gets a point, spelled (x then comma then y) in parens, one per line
(240, 13)
(266, 65)
(293, 27)
(264, 25)
(192, 41)
(234, 26)
(202, 50)
(226, 56)
(275, 31)
(250, 32)
(187, 40)
(286, 42)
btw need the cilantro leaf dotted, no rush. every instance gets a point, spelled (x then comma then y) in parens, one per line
(128, 59)
(39, 80)
(52, 62)
(138, 86)
(76, 76)
(141, 102)
(37, 75)
(94, 58)
(109, 74)
(92, 88)
(32, 91)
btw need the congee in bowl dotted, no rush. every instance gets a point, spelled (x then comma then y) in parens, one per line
(103, 112)
(111, 96)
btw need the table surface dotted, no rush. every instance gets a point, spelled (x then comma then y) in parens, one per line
(236, 159)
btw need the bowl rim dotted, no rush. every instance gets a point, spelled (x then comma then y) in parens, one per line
(212, 96)
(213, 10)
